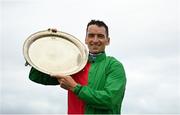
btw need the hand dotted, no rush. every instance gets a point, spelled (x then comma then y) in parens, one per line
(52, 29)
(66, 82)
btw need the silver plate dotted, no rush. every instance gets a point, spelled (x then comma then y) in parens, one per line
(55, 52)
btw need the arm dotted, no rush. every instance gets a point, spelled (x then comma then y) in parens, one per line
(111, 95)
(42, 78)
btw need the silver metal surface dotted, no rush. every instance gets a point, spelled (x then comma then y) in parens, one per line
(55, 52)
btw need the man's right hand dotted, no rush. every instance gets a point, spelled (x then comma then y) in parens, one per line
(66, 82)
(52, 29)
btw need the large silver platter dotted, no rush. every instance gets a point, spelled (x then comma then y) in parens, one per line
(55, 52)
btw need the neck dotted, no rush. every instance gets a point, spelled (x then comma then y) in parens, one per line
(95, 54)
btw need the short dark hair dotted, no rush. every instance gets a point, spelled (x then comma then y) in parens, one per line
(100, 24)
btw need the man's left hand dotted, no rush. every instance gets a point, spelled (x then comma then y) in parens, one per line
(66, 82)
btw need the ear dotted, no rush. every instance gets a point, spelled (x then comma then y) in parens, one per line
(108, 41)
(86, 42)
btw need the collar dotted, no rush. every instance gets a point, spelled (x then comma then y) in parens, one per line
(96, 57)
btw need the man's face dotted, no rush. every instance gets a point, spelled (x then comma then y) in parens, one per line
(96, 39)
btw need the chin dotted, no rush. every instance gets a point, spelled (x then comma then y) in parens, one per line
(94, 52)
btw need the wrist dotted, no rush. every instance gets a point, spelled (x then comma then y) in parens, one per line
(77, 89)
(74, 85)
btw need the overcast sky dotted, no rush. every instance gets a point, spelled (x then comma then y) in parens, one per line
(144, 37)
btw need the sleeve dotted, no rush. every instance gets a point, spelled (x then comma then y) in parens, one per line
(42, 78)
(111, 95)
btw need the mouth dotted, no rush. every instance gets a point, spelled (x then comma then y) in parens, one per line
(95, 47)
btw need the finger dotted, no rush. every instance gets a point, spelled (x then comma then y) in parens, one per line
(63, 86)
(51, 75)
(61, 83)
(57, 75)
(52, 29)
(59, 80)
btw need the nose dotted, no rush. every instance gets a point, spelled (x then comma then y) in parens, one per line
(95, 39)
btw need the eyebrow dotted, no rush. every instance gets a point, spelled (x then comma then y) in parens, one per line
(94, 34)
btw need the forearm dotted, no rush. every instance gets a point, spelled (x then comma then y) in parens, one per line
(111, 95)
(42, 78)
(102, 99)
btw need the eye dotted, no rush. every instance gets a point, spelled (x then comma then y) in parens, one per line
(91, 35)
(101, 36)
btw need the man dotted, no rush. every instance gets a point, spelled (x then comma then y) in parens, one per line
(97, 89)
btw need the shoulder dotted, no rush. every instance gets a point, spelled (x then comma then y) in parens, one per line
(114, 67)
(113, 61)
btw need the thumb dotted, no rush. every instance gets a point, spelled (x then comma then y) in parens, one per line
(57, 75)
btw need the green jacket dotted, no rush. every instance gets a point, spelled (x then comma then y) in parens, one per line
(106, 85)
